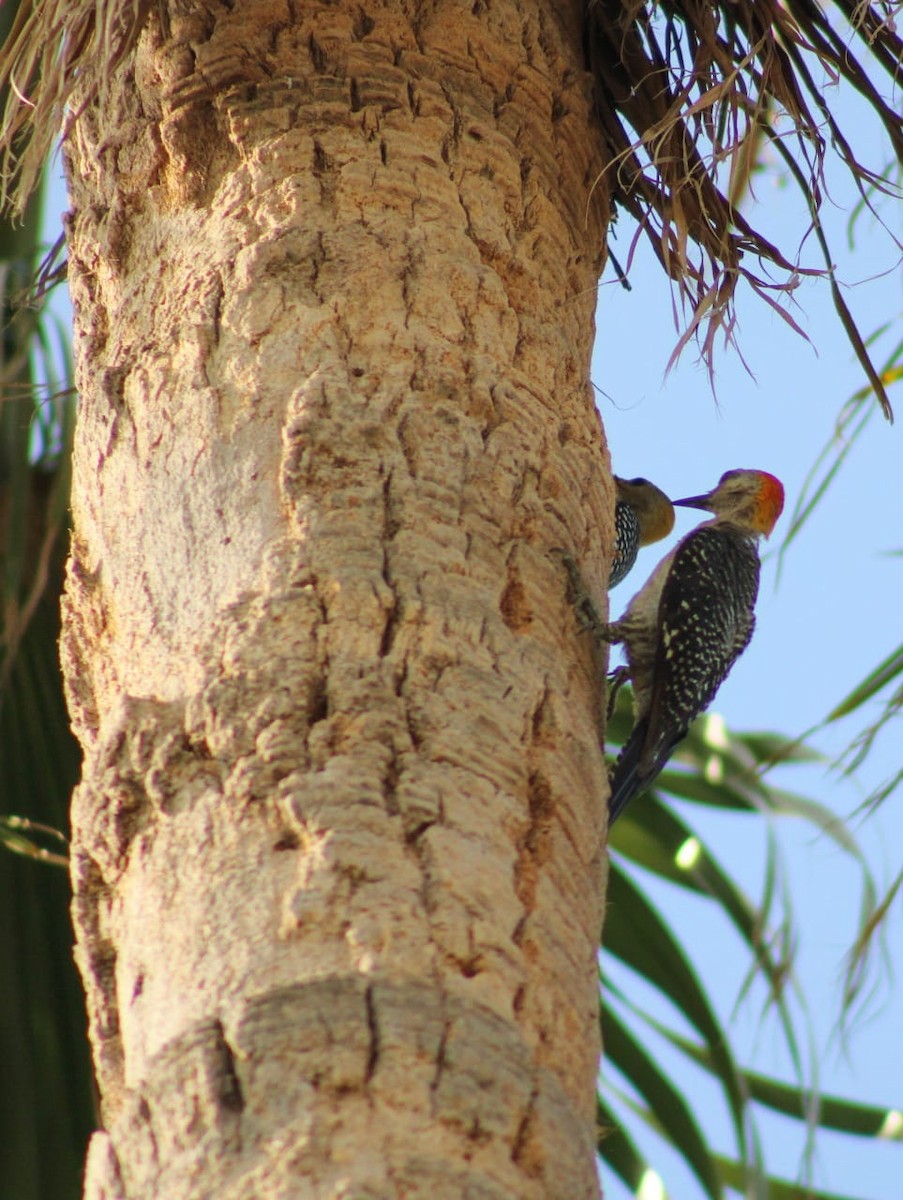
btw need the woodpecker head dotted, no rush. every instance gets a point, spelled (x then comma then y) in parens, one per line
(652, 507)
(750, 499)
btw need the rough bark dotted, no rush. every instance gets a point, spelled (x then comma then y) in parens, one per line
(337, 849)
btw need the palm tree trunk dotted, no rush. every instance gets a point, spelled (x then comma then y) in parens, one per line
(338, 842)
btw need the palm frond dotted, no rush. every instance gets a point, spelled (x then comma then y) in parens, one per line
(50, 50)
(698, 85)
(652, 841)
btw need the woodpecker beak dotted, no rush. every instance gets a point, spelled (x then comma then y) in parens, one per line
(704, 501)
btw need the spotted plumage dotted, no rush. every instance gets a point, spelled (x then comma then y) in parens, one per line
(705, 622)
(686, 627)
(643, 514)
(627, 542)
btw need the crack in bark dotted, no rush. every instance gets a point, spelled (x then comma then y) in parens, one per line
(535, 843)
(229, 1090)
(146, 1118)
(390, 527)
(373, 1026)
(514, 606)
(440, 1061)
(520, 1147)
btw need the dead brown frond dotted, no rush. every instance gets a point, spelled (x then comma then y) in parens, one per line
(700, 84)
(53, 47)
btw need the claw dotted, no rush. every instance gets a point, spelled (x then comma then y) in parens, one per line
(588, 619)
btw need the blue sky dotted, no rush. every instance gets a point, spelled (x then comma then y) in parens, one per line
(833, 614)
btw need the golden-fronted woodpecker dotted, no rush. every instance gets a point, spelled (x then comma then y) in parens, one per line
(643, 514)
(685, 628)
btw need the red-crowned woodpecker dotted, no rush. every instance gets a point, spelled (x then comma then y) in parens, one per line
(686, 627)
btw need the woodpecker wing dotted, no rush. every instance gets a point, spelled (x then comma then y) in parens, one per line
(706, 619)
(627, 542)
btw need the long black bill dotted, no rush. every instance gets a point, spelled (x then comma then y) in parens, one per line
(695, 501)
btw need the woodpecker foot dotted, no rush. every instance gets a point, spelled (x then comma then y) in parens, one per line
(588, 619)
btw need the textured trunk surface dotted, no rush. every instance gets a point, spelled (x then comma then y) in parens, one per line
(338, 844)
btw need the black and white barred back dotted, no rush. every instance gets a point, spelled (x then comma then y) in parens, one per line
(627, 542)
(705, 621)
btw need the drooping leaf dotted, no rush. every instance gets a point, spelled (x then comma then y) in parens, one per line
(675, 1121)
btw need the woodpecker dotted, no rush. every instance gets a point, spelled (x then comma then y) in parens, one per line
(686, 627)
(643, 514)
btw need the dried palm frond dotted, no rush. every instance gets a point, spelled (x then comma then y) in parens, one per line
(53, 46)
(698, 82)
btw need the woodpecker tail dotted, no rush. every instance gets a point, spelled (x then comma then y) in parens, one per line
(626, 779)
(633, 772)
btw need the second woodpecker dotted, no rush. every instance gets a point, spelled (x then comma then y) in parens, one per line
(643, 514)
(689, 623)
